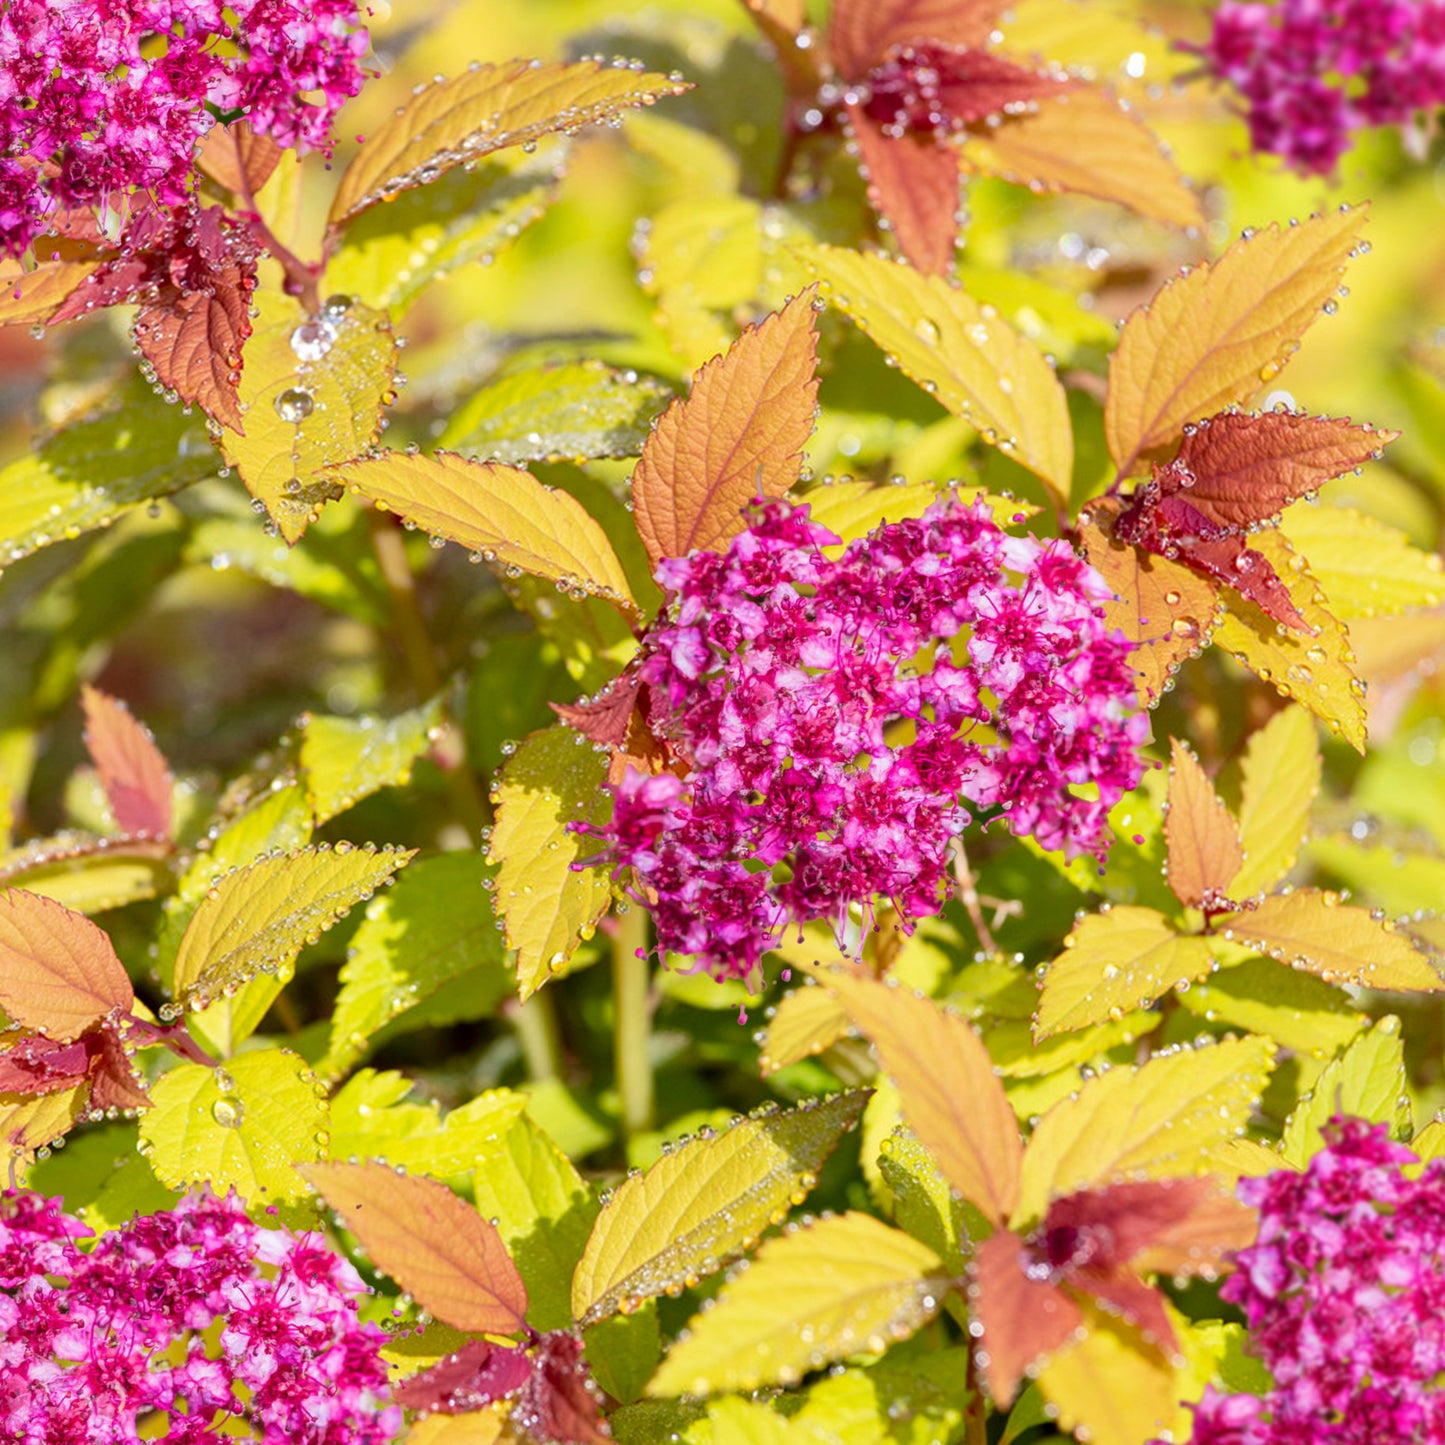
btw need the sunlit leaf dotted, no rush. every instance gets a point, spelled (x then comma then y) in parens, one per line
(451, 122)
(436, 1246)
(952, 1098)
(244, 1128)
(845, 1285)
(806, 1022)
(236, 156)
(853, 509)
(475, 1427)
(348, 758)
(28, 1125)
(503, 513)
(1114, 962)
(961, 352)
(1280, 777)
(134, 774)
(738, 436)
(1213, 336)
(922, 1203)
(553, 779)
(1366, 568)
(704, 1204)
(27, 298)
(257, 919)
(87, 873)
(1295, 1009)
(1203, 839)
(58, 972)
(862, 31)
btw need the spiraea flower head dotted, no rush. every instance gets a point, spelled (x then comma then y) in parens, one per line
(189, 1319)
(841, 717)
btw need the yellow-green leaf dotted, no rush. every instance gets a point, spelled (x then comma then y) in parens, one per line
(488, 107)
(243, 1128)
(853, 509)
(704, 1204)
(257, 920)
(805, 1022)
(1280, 776)
(1114, 962)
(347, 759)
(84, 872)
(1366, 568)
(502, 513)
(961, 352)
(1295, 1009)
(1214, 335)
(922, 1204)
(1159, 1121)
(471, 1427)
(554, 779)
(843, 1286)
(313, 390)
(1314, 931)
(29, 1124)
(1368, 1081)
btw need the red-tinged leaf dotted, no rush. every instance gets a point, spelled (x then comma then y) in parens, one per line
(738, 436)
(913, 184)
(607, 718)
(1129, 1297)
(39, 1065)
(1246, 469)
(238, 158)
(134, 774)
(1022, 1317)
(862, 32)
(113, 1082)
(436, 1246)
(780, 21)
(193, 340)
(472, 1378)
(58, 971)
(29, 298)
(1217, 1227)
(559, 1403)
(1232, 561)
(1202, 836)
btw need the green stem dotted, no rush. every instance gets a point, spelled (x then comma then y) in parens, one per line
(631, 977)
(539, 1035)
(975, 1420)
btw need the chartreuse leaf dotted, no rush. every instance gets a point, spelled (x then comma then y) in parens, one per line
(1113, 962)
(1314, 931)
(1295, 1009)
(922, 1203)
(1202, 837)
(257, 919)
(87, 873)
(1367, 569)
(311, 398)
(553, 779)
(575, 410)
(1280, 776)
(434, 925)
(28, 1125)
(1211, 336)
(131, 449)
(1158, 1121)
(805, 1022)
(853, 509)
(1368, 1081)
(623, 1350)
(735, 1421)
(436, 1246)
(841, 1286)
(102, 1177)
(1429, 1142)
(242, 1128)
(962, 352)
(472, 1427)
(502, 513)
(391, 255)
(488, 107)
(1316, 667)
(348, 759)
(704, 1204)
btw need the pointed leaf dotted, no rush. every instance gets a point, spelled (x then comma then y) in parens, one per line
(29, 298)
(952, 1098)
(347, 759)
(1113, 963)
(1160, 1121)
(962, 352)
(704, 1204)
(1211, 337)
(1204, 848)
(1294, 1008)
(1084, 140)
(738, 436)
(851, 510)
(1366, 568)
(806, 1022)
(468, 1379)
(922, 1203)
(450, 122)
(193, 341)
(554, 779)
(28, 1125)
(1314, 931)
(434, 1245)
(861, 32)
(845, 1285)
(312, 398)
(503, 513)
(59, 973)
(134, 774)
(243, 1129)
(238, 158)
(1280, 775)
(256, 920)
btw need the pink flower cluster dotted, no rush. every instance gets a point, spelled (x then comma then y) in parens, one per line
(100, 98)
(196, 1314)
(839, 718)
(1344, 1293)
(1313, 71)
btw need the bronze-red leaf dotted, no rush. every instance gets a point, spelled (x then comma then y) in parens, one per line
(862, 32)
(472, 1378)
(559, 1403)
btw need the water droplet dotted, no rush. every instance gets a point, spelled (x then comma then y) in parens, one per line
(294, 404)
(313, 339)
(228, 1113)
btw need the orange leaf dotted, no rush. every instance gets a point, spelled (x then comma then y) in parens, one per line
(739, 434)
(863, 31)
(28, 297)
(238, 158)
(58, 971)
(192, 339)
(1203, 839)
(132, 770)
(952, 1098)
(1212, 336)
(433, 1244)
